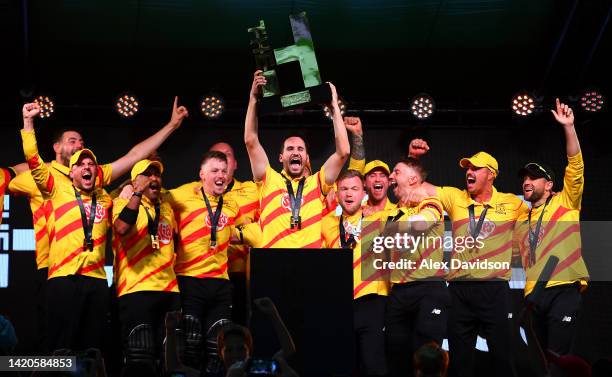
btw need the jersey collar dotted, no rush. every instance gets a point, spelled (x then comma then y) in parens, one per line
(65, 170)
(490, 203)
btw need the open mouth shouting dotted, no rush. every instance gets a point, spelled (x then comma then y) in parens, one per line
(155, 187)
(470, 180)
(378, 188)
(527, 190)
(87, 178)
(295, 162)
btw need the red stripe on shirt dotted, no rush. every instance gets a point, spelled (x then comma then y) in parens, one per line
(306, 223)
(158, 269)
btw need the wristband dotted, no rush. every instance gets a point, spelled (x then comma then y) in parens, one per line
(128, 215)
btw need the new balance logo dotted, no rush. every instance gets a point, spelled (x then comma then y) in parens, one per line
(566, 319)
(436, 311)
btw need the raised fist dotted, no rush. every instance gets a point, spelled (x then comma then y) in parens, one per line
(30, 110)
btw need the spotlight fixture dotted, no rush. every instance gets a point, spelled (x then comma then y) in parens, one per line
(47, 107)
(212, 106)
(592, 101)
(127, 105)
(523, 104)
(422, 106)
(328, 112)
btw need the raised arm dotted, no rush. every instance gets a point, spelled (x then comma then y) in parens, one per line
(40, 171)
(257, 155)
(573, 179)
(358, 155)
(565, 116)
(334, 163)
(143, 149)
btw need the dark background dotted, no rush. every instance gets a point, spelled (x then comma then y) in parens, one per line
(471, 56)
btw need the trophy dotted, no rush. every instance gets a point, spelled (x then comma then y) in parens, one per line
(292, 73)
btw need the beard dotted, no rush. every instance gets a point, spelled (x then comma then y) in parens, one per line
(535, 196)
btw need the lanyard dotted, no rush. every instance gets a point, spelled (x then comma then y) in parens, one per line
(153, 225)
(214, 218)
(533, 236)
(351, 242)
(296, 202)
(229, 187)
(475, 228)
(87, 225)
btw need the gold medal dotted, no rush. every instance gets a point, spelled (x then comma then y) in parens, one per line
(155, 242)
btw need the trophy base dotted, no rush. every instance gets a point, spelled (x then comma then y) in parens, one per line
(319, 94)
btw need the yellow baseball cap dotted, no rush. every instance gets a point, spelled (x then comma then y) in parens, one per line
(77, 155)
(376, 164)
(481, 160)
(142, 165)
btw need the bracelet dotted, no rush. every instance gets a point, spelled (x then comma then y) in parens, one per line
(128, 215)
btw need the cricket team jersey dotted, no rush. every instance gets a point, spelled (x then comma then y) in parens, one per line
(195, 257)
(138, 266)
(246, 195)
(426, 252)
(495, 235)
(375, 282)
(5, 179)
(275, 219)
(67, 254)
(24, 185)
(559, 233)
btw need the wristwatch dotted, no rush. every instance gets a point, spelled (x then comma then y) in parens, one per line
(137, 193)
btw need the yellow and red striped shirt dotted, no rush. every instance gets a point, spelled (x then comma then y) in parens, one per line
(24, 185)
(5, 179)
(431, 246)
(559, 233)
(194, 257)
(375, 282)
(139, 267)
(496, 232)
(246, 195)
(275, 219)
(64, 225)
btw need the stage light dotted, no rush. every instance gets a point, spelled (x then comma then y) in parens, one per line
(327, 110)
(592, 101)
(47, 107)
(127, 105)
(523, 104)
(422, 106)
(212, 106)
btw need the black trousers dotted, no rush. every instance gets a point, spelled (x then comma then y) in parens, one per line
(77, 312)
(41, 311)
(207, 299)
(479, 307)
(239, 300)
(556, 317)
(147, 307)
(417, 313)
(369, 324)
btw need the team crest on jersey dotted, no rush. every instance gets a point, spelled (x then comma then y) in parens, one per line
(164, 231)
(286, 203)
(488, 227)
(500, 209)
(222, 221)
(100, 212)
